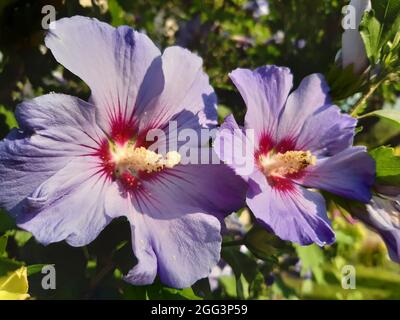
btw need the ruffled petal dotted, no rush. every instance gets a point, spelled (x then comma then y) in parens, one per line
(182, 249)
(335, 132)
(298, 215)
(65, 119)
(175, 220)
(264, 91)
(68, 206)
(214, 189)
(187, 88)
(382, 214)
(309, 98)
(121, 66)
(54, 130)
(234, 147)
(350, 174)
(187, 101)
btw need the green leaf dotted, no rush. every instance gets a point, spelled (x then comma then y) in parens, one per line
(387, 165)
(35, 268)
(263, 244)
(243, 267)
(14, 286)
(116, 12)
(6, 222)
(186, 293)
(312, 258)
(223, 112)
(240, 263)
(379, 28)
(9, 117)
(386, 11)
(370, 30)
(158, 291)
(389, 114)
(344, 83)
(229, 285)
(3, 244)
(8, 265)
(131, 292)
(21, 237)
(202, 288)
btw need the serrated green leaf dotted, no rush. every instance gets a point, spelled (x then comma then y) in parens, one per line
(387, 165)
(379, 28)
(370, 30)
(312, 259)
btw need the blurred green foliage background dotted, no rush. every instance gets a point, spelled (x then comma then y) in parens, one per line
(304, 35)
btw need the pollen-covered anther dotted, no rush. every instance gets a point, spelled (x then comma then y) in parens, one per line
(283, 164)
(134, 160)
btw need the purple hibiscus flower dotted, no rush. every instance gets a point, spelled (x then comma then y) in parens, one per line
(73, 166)
(299, 141)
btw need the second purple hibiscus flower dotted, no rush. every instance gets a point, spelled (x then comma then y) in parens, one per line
(296, 141)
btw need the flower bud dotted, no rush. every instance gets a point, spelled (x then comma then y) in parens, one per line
(353, 49)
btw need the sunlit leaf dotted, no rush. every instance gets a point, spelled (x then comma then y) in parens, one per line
(35, 268)
(116, 12)
(370, 29)
(9, 117)
(387, 11)
(312, 259)
(387, 165)
(14, 286)
(389, 114)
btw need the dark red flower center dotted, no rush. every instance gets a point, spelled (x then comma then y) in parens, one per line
(126, 158)
(281, 162)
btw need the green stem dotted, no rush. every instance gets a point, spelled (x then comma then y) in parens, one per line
(366, 115)
(361, 102)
